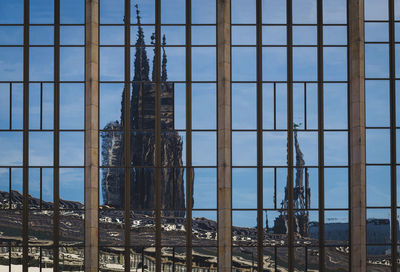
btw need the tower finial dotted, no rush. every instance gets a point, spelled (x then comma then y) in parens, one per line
(137, 14)
(164, 76)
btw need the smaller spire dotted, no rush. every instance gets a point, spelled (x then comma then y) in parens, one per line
(137, 14)
(164, 75)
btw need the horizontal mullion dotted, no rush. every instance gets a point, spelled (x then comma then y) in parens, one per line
(46, 81)
(163, 46)
(284, 45)
(160, 24)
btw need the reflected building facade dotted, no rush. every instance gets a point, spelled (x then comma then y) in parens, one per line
(301, 198)
(142, 153)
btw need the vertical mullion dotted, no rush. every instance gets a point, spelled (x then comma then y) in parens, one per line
(9, 187)
(224, 136)
(157, 148)
(393, 182)
(274, 105)
(10, 127)
(41, 105)
(127, 132)
(356, 138)
(290, 135)
(321, 162)
(189, 168)
(41, 186)
(56, 158)
(275, 195)
(260, 231)
(305, 106)
(349, 136)
(25, 160)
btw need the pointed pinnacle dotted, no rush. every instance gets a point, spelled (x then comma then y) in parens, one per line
(137, 13)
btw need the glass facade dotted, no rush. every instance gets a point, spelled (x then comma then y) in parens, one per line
(157, 118)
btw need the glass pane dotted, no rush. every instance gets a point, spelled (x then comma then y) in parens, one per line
(72, 11)
(12, 12)
(336, 148)
(244, 64)
(111, 64)
(41, 148)
(335, 64)
(274, 148)
(244, 100)
(304, 64)
(41, 35)
(173, 12)
(376, 60)
(243, 11)
(243, 35)
(11, 59)
(377, 103)
(41, 11)
(112, 11)
(71, 148)
(72, 188)
(274, 64)
(204, 117)
(203, 64)
(378, 145)
(147, 11)
(376, 10)
(72, 106)
(203, 35)
(205, 188)
(273, 12)
(304, 35)
(244, 148)
(41, 64)
(72, 35)
(72, 64)
(335, 114)
(244, 188)
(203, 11)
(335, 35)
(376, 32)
(204, 145)
(378, 186)
(334, 11)
(304, 11)
(274, 35)
(336, 188)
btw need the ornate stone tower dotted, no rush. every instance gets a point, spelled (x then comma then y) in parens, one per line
(142, 118)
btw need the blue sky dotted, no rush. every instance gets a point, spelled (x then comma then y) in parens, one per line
(203, 94)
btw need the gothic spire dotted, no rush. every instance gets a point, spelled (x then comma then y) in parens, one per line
(141, 61)
(122, 107)
(164, 75)
(153, 42)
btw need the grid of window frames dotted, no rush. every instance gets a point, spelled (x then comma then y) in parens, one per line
(382, 123)
(289, 62)
(41, 134)
(164, 54)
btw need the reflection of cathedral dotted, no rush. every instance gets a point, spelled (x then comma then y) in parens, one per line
(142, 118)
(301, 199)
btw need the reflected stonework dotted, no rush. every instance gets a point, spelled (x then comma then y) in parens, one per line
(301, 198)
(142, 153)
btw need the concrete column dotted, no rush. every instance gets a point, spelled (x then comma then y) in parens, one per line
(357, 135)
(224, 157)
(91, 135)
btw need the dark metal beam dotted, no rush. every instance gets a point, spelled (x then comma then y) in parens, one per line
(290, 135)
(25, 152)
(321, 162)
